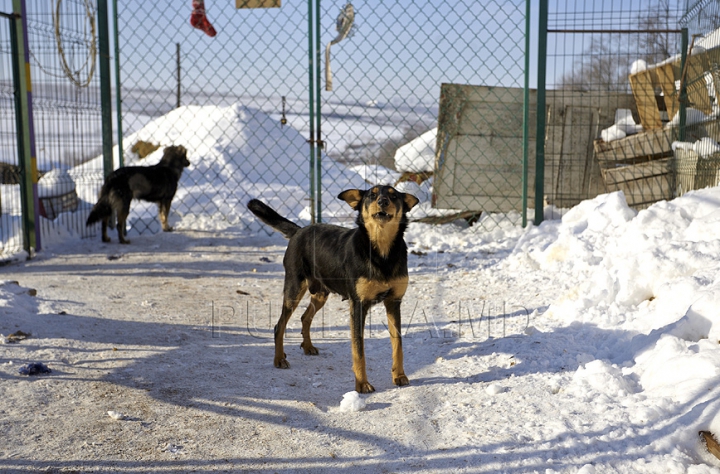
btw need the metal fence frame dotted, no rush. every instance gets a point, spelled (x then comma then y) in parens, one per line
(24, 170)
(273, 72)
(463, 22)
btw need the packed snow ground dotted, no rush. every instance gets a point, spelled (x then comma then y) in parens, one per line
(586, 344)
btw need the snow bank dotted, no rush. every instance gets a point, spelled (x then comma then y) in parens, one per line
(653, 277)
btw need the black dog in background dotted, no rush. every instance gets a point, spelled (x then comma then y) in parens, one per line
(156, 184)
(366, 265)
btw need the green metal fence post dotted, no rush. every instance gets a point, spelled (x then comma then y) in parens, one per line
(311, 89)
(118, 93)
(684, 41)
(24, 126)
(540, 133)
(105, 89)
(526, 115)
(318, 116)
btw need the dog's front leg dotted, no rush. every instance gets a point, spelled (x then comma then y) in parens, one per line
(164, 212)
(392, 306)
(357, 328)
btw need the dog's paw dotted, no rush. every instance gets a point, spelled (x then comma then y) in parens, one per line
(282, 364)
(364, 387)
(106, 239)
(309, 349)
(124, 241)
(401, 380)
(168, 229)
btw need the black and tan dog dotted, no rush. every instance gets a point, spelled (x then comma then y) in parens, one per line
(156, 184)
(366, 265)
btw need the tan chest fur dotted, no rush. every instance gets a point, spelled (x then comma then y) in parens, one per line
(368, 290)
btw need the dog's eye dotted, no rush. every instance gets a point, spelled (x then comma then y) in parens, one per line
(372, 195)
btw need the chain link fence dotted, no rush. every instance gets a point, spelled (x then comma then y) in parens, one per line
(240, 102)
(429, 96)
(66, 108)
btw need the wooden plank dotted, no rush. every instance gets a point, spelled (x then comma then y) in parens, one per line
(642, 184)
(575, 159)
(645, 145)
(643, 89)
(696, 85)
(686, 168)
(666, 79)
(470, 216)
(257, 3)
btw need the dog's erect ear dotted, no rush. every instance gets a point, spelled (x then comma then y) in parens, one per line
(352, 197)
(411, 200)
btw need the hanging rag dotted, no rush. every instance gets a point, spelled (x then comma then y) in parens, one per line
(343, 25)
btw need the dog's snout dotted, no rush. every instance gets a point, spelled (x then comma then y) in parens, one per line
(383, 201)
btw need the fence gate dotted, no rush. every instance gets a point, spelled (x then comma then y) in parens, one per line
(11, 239)
(17, 170)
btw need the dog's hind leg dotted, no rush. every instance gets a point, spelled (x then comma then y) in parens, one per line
(122, 216)
(358, 313)
(317, 301)
(392, 306)
(104, 226)
(292, 294)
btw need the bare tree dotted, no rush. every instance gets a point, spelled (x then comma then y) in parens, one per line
(605, 64)
(660, 44)
(602, 67)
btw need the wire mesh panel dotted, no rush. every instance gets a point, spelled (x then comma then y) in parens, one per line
(11, 235)
(697, 157)
(239, 100)
(62, 38)
(614, 99)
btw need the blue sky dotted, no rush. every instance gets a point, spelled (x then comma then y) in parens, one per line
(399, 49)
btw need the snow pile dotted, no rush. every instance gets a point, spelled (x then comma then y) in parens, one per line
(653, 278)
(55, 182)
(418, 155)
(352, 402)
(705, 147)
(692, 117)
(709, 41)
(638, 65)
(236, 153)
(624, 125)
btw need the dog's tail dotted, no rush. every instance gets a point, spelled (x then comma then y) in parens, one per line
(268, 215)
(100, 210)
